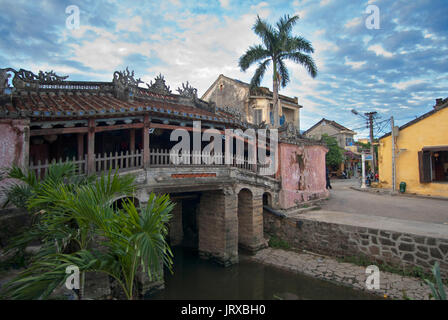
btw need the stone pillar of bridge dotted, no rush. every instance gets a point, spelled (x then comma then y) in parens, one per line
(250, 220)
(176, 227)
(218, 226)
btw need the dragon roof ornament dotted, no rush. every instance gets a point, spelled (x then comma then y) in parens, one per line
(159, 85)
(27, 79)
(126, 79)
(188, 91)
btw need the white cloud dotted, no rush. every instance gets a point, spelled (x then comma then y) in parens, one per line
(380, 51)
(133, 24)
(404, 84)
(353, 22)
(207, 46)
(175, 2)
(106, 54)
(224, 3)
(354, 64)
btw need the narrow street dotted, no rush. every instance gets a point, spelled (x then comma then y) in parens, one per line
(347, 200)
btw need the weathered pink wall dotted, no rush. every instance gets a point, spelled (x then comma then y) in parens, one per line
(14, 145)
(302, 179)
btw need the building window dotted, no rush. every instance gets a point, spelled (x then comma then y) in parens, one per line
(349, 142)
(258, 116)
(433, 164)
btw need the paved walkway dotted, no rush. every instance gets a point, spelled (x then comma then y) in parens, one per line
(425, 229)
(344, 199)
(326, 268)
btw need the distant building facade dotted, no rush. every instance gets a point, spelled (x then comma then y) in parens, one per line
(253, 106)
(344, 137)
(421, 153)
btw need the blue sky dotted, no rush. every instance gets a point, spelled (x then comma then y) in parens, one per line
(399, 69)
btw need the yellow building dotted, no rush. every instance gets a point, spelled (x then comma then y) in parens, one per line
(421, 154)
(364, 140)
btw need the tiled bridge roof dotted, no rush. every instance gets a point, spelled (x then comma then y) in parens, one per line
(40, 98)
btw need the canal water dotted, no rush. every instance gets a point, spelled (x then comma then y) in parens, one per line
(197, 279)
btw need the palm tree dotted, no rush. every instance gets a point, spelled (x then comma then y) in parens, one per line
(72, 216)
(278, 45)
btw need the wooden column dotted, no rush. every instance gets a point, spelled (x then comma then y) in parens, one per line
(145, 139)
(80, 145)
(91, 147)
(132, 140)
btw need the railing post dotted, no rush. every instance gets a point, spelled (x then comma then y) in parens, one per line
(132, 140)
(91, 147)
(80, 137)
(146, 141)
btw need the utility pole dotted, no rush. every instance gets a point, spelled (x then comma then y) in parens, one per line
(394, 164)
(370, 116)
(363, 181)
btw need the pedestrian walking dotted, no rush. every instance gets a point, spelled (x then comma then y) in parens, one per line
(327, 175)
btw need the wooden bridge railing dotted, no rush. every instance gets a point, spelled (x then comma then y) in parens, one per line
(157, 158)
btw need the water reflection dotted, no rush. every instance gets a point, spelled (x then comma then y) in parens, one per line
(197, 279)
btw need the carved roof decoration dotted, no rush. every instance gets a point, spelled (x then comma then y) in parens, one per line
(48, 97)
(126, 78)
(288, 133)
(159, 85)
(232, 111)
(24, 79)
(188, 91)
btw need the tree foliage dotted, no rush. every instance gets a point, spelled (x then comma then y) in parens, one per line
(75, 217)
(335, 155)
(278, 46)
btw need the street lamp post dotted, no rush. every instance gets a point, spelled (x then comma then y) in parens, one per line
(363, 159)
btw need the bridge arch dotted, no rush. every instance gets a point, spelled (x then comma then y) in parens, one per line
(118, 203)
(267, 199)
(250, 220)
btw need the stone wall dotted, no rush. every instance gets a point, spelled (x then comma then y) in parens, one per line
(338, 240)
(218, 226)
(12, 223)
(14, 146)
(302, 172)
(250, 220)
(176, 228)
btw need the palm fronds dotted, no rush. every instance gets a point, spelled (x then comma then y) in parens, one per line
(74, 214)
(278, 45)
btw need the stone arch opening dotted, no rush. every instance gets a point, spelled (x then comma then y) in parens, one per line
(267, 199)
(118, 204)
(245, 218)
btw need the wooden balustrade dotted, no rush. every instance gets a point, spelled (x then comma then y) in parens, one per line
(157, 158)
(41, 168)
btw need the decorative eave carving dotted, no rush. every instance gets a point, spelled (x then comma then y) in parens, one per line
(126, 79)
(159, 86)
(288, 130)
(232, 111)
(188, 91)
(125, 84)
(24, 79)
(288, 133)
